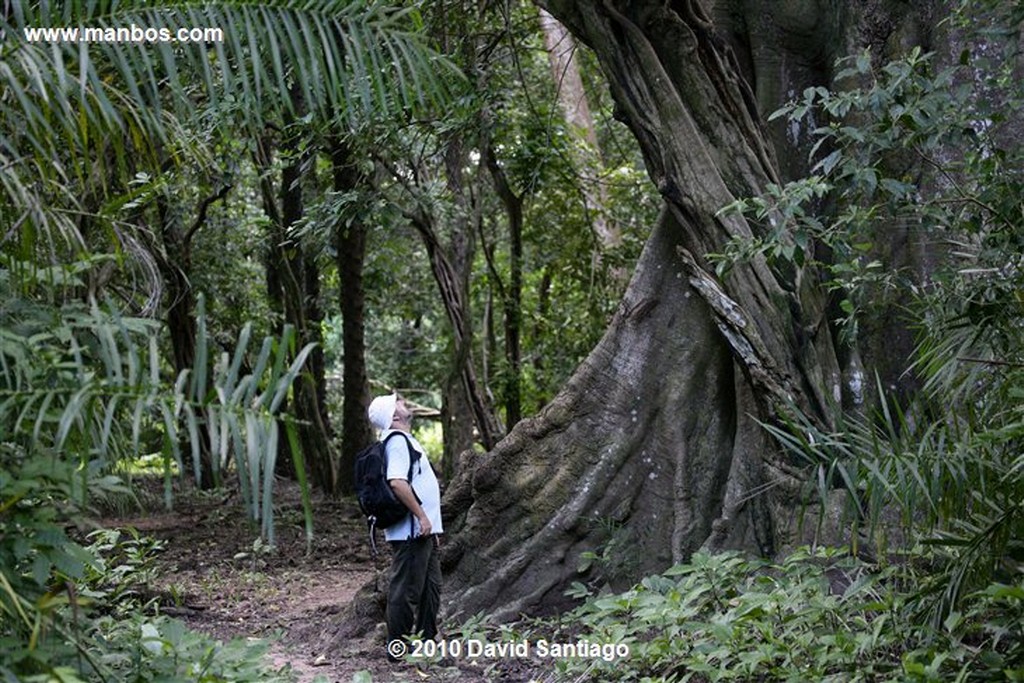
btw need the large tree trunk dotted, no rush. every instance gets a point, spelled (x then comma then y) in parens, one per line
(784, 47)
(643, 457)
(652, 450)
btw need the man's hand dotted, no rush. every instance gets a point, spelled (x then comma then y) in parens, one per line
(425, 526)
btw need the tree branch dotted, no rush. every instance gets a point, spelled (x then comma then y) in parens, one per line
(204, 207)
(969, 198)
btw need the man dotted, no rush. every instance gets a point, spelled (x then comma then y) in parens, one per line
(414, 594)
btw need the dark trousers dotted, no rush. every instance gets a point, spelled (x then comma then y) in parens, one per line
(414, 595)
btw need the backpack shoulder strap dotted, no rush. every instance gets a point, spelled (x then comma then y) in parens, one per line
(414, 454)
(408, 477)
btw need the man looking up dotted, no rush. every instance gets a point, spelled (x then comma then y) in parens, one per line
(414, 594)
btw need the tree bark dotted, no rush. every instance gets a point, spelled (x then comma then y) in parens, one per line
(466, 400)
(175, 265)
(457, 404)
(299, 302)
(293, 282)
(453, 296)
(785, 47)
(621, 459)
(290, 272)
(263, 157)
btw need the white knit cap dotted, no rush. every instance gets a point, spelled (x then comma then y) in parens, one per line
(382, 411)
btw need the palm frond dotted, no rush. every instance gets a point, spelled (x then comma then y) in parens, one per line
(74, 107)
(955, 479)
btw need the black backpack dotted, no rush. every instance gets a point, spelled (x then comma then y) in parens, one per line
(376, 499)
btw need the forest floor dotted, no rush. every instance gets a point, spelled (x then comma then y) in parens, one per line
(214, 576)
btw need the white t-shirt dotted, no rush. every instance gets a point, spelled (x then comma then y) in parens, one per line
(424, 483)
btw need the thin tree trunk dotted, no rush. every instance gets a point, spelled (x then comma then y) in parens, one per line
(315, 363)
(513, 294)
(450, 265)
(572, 98)
(457, 404)
(452, 296)
(466, 401)
(175, 264)
(314, 436)
(289, 284)
(274, 268)
(350, 240)
(311, 387)
(272, 257)
(290, 272)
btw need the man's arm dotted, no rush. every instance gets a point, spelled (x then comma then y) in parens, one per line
(404, 493)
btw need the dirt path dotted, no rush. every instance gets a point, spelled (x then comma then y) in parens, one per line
(214, 577)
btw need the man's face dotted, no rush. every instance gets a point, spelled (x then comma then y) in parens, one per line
(402, 412)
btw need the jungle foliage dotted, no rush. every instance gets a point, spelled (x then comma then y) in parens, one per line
(912, 145)
(82, 395)
(96, 145)
(133, 185)
(818, 615)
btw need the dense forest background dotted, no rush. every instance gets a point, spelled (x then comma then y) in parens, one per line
(678, 291)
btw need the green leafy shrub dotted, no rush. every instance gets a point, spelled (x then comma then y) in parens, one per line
(817, 616)
(39, 563)
(161, 649)
(78, 386)
(84, 613)
(123, 570)
(932, 149)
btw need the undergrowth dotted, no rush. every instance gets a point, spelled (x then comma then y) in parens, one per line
(82, 609)
(816, 616)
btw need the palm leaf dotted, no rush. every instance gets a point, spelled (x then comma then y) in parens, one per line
(340, 56)
(68, 389)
